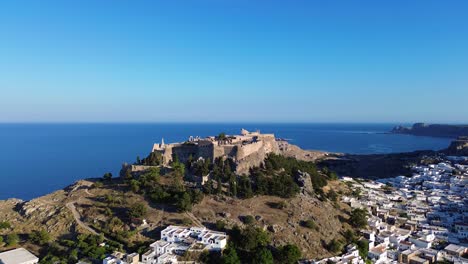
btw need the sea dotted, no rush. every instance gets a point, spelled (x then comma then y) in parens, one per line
(36, 159)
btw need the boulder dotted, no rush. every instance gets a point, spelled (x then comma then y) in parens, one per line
(304, 182)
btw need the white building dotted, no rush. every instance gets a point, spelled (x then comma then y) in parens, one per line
(121, 258)
(350, 257)
(378, 254)
(18, 256)
(175, 240)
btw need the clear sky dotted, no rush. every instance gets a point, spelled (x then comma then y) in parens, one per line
(234, 60)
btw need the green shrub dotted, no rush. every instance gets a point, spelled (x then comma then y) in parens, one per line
(39, 237)
(138, 210)
(248, 219)
(335, 246)
(310, 224)
(220, 225)
(289, 254)
(12, 239)
(358, 218)
(5, 225)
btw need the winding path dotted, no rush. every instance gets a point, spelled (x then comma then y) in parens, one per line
(76, 215)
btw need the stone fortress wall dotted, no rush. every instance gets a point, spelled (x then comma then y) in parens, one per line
(247, 150)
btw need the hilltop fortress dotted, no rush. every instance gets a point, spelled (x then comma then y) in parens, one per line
(247, 149)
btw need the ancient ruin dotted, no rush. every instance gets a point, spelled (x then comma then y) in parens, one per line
(247, 149)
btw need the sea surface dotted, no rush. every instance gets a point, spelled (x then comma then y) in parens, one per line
(36, 159)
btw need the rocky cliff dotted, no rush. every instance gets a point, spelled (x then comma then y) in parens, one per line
(432, 130)
(458, 147)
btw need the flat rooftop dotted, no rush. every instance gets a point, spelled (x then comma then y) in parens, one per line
(17, 256)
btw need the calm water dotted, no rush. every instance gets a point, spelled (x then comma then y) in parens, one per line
(36, 159)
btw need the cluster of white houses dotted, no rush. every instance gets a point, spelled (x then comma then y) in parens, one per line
(420, 219)
(350, 257)
(174, 242)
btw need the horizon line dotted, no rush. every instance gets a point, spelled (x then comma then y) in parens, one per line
(223, 122)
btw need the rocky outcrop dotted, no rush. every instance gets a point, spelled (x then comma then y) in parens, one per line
(458, 147)
(432, 130)
(304, 182)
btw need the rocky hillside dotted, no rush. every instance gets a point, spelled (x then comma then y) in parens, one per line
(458, 147)
(106, 207)
(433, 130)
(376, 166)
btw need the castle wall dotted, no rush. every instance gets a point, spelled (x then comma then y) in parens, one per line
(140, 168)
(183, 152)
(230, 151)
(246, 156)
(206, 151)
(246, 150)
(167, 154)
(253, 155)
(218, 151)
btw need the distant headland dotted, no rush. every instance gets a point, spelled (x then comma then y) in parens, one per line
(432, 130)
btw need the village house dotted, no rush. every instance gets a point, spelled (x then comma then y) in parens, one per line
(122, 258)
(175, 240)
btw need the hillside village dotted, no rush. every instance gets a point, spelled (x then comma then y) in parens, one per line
(420, 219)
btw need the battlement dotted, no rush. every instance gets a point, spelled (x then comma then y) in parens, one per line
(235, 147)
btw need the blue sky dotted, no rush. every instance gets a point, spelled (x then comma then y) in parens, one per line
(222, 61)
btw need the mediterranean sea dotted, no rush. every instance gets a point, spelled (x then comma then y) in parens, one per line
(36, 159)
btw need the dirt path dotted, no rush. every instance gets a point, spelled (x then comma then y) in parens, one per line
(195, 220)
(76, 215)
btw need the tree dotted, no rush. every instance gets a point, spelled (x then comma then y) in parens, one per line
(40, 237)
(289, 254)
(283, 185)
(184, 203)
(138, 210)
(230, 256)
(179, 168)
(358, 218)
(152, 174)
(128, 174)
(153, 159)
(232, 185)
(208, 187)
(73, 257)
(12, 239)
(350, 236)
(209, 257)
(262, 256)
(222, 136)
(245, 187)
(219, 186)
(253, 237)
(196, 196)
(332, 195)
(107, 176)
(335, 246)
(363, 247)
(248, 219)
(135, 186)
